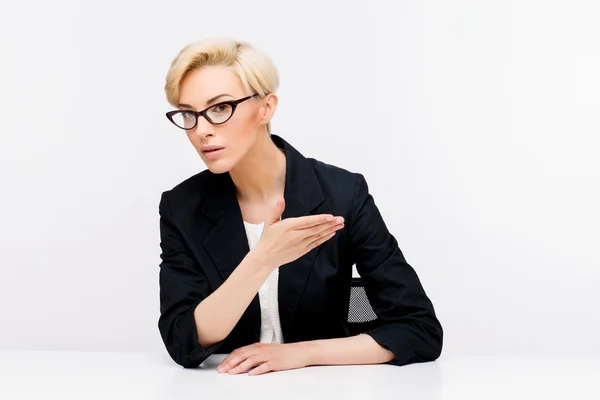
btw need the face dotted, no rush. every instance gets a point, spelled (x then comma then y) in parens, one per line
(209, 86)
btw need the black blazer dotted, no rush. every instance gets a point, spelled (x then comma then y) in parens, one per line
(203, 240)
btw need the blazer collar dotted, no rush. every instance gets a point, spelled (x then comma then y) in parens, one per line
(227, 242)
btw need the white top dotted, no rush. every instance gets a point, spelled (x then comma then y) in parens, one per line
(270, 326)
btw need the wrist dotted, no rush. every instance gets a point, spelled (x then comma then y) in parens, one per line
(309, 351)
(260, 259)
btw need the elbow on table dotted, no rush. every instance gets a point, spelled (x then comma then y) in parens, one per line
(436, 347)
(181, 344)
(432, 349)
(429, 347)
(183, 356)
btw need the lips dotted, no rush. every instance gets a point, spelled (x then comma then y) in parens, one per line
(212, 152)
(210, 149)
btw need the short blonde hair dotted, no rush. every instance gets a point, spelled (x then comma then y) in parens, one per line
(255, 69)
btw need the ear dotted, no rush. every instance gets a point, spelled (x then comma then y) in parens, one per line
(269, 105)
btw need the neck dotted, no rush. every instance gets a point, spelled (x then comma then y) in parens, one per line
(260, 175)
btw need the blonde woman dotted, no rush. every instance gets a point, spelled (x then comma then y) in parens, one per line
(258, 249)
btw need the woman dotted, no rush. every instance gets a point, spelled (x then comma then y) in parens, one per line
(257, 250)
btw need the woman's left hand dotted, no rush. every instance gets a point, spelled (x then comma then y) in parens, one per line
(266, 357)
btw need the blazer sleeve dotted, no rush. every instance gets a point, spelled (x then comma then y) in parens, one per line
(182, 287)
(409, 327)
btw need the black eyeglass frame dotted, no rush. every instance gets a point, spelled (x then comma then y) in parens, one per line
(232, 103)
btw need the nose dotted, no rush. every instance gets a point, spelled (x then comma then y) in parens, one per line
(203, 127)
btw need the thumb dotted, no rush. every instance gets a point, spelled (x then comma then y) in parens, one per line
(276, 213)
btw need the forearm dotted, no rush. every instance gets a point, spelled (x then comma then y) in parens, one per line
(217, 315)
(354, 350)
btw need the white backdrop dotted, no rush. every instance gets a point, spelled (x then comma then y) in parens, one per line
(474, 122)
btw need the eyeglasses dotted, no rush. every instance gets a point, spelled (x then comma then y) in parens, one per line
(216, 114)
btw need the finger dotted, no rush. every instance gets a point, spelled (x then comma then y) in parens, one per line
(243, 352)
(309, 221)
(323, 232)
(227, 360)
(324, 229)
(234, 361)
(318, 242)
(261, 369)
(224, 363)
(246, 365)
(276, 212)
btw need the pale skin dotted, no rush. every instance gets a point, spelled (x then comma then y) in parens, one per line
(257, 168)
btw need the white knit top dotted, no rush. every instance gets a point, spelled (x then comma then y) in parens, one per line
(270, 327)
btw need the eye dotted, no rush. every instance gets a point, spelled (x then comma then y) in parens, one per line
(187, 115)
(221, 108)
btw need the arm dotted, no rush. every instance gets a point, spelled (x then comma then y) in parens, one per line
(354, 350)
(217, 315)
(267, 357)
(193, 323)
(409, 327)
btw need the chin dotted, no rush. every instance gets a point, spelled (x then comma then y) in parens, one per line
(218, 170)
(218, 167)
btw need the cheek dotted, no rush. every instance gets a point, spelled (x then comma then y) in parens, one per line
(242, 131)
(250, 118)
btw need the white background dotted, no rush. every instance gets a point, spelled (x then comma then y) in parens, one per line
(475, 123)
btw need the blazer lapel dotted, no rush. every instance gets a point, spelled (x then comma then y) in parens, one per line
(227, 243)
(302, 195)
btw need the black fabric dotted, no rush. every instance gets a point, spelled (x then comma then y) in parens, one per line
(202, 239)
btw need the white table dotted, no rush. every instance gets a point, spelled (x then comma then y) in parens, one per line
(83, 376)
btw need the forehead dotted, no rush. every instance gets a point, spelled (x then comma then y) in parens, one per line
(200, 85)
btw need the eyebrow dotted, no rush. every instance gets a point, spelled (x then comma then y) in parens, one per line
(208, 102)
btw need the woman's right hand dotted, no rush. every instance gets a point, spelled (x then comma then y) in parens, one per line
(284, 241)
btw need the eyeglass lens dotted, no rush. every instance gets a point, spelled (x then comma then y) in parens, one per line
(216, 114)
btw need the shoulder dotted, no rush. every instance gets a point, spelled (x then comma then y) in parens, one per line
(337, 180)
(191, 190)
